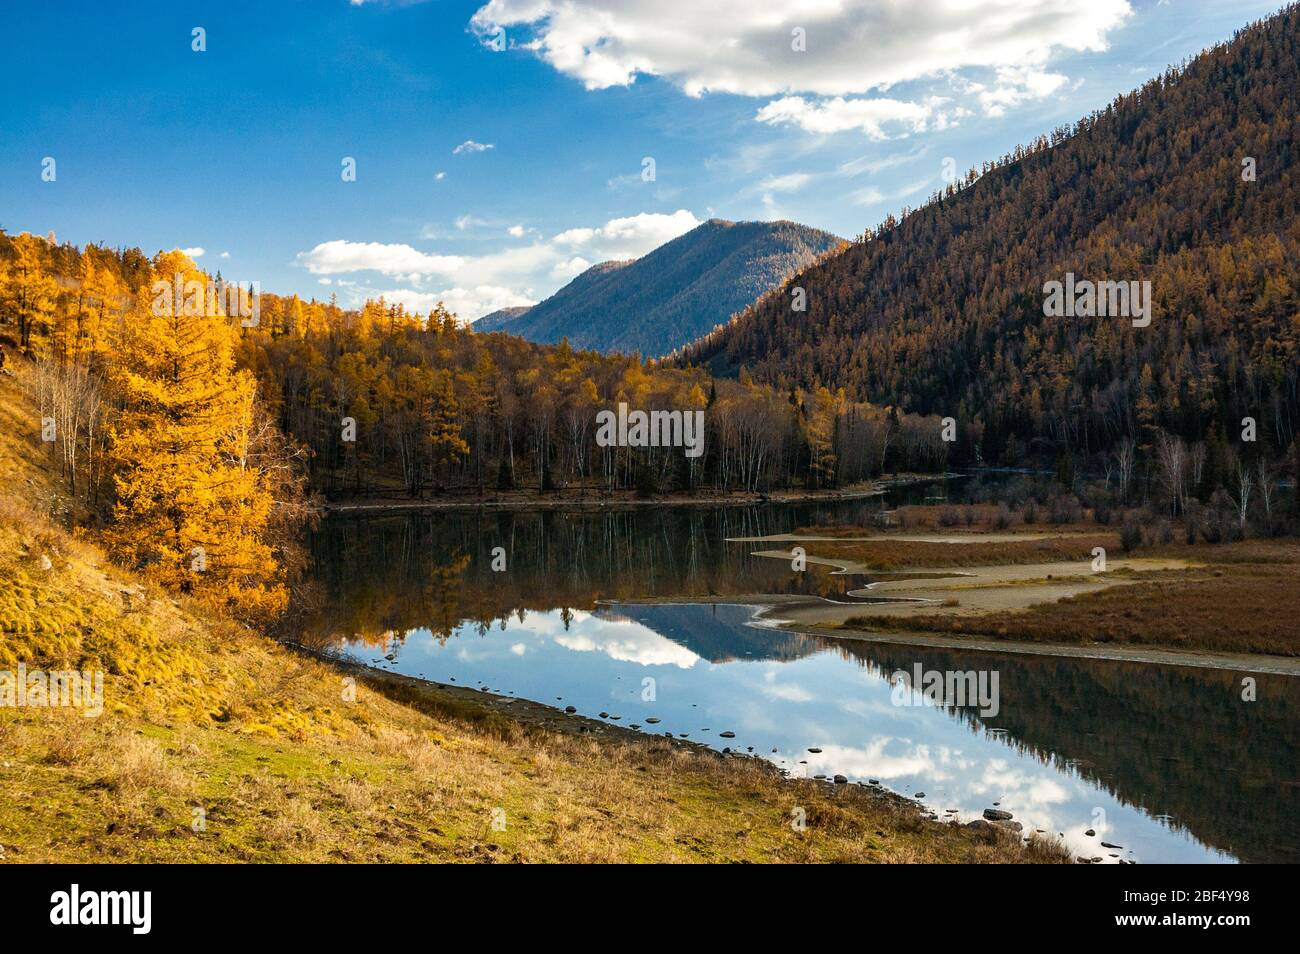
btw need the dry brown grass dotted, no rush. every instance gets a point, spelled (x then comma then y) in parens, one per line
(292, 822)
(355, 794)
(396, 795)
(73, 743)
(1235, 612)
(973, 519)
(134, 764)
(888, 554)
(1242, 601)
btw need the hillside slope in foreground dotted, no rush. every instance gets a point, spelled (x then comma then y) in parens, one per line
(218, 744)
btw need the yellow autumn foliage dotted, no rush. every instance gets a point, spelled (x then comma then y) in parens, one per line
(191, 512)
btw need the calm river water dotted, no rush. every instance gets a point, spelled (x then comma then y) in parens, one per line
(1164, 762)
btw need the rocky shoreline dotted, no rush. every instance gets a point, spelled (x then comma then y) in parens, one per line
(542, 716)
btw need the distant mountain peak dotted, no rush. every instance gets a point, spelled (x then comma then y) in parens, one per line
(672, 295)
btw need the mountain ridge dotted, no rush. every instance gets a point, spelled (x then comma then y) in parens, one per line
(942, 312)
(670, 296)
(500, 319)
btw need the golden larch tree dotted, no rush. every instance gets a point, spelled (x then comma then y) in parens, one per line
(190, 512)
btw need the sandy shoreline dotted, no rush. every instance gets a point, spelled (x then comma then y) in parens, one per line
(552, 716)
(772, 611)
(1234, 662)
(973, 591)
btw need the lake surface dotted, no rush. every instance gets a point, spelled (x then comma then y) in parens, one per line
(1166, 762)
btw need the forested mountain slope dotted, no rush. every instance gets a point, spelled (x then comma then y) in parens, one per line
(943, 312)
(500, 319)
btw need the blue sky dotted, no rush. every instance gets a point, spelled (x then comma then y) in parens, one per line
(487, 177)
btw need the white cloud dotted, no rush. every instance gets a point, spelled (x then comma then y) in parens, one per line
(466, 303)
(788, 692)
(871, 116)
(632, 236)
(570, 268)
(516, 230)
(225, 255)
(880, 758)
(478, 284)
(438, 177)
(871, 195)
(790, 182)
(195, 252)
(469, 145)
(330, 258)
(1015, 85)
(627, 641)
(853, 46)
(871, 164)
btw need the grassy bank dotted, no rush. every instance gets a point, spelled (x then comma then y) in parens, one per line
(218, 744)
